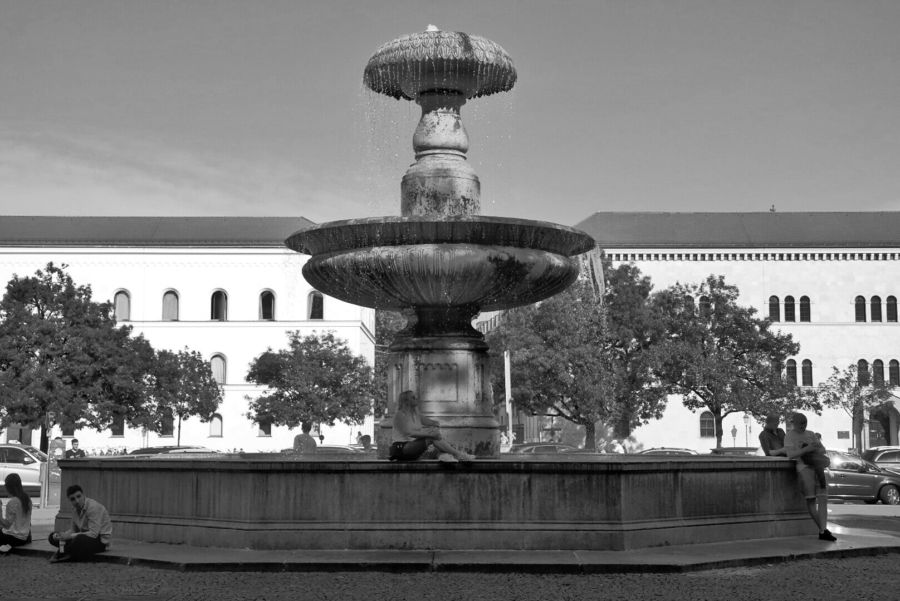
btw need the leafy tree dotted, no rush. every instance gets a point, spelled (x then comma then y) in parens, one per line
(181, 385)
(583, 360)
(62, 355)
(855, 391)
(316, 379)
(719, 356)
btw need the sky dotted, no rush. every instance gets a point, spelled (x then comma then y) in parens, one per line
(225, 107)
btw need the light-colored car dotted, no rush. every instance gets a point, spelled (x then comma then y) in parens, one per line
(888, 457)
(172, 451)
(541, 448)
(23, 460)
(669, 451)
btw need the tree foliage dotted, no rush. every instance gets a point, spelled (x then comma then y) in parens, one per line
(181, 386)
(62, 354)
(316, 379)
(719, 356)
(855, 391)
(582, 360)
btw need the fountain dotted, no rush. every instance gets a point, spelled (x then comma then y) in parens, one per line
(441, 262)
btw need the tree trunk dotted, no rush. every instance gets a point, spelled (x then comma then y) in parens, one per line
(590, 436)
(45, 439)
(717, 416)
(178, 440)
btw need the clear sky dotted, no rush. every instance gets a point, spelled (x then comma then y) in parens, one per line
(226, 107)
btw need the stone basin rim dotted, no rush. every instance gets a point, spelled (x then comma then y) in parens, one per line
(369, 232)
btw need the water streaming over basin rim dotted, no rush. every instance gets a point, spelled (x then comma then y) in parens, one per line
(349, 234)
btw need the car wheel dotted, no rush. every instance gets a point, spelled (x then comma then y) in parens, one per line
(890, 495)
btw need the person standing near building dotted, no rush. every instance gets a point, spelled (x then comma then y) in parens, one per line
(15, 526)
(798, 443)
(772, 437)
(75, 452)
(90, 533)
(304, 443)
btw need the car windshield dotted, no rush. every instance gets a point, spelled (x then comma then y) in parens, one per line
(869, 454)
(37, 453)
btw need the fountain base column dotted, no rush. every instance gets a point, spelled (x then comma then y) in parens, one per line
(451, 377)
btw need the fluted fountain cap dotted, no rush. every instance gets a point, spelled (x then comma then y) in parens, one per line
(442, 61)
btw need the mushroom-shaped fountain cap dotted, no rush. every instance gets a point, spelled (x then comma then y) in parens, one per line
(439, 61)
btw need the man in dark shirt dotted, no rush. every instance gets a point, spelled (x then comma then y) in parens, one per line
(771, 439)
(74, 452)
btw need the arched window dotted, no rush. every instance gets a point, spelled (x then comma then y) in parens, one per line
(878, 372)
(892, 309)
(862, 372)
(215, 426)
(894, 372)
(316, 305)
(805, 312)
(689, 304)
(122, 306)
(875, 309)
(790, 309)
(790, 372)
(217, 364)
(170, 306)
(267, 305)
(707, 425)
(218, 306)
(774, 309)
(807, 373)
(705, 305)
(860, 303)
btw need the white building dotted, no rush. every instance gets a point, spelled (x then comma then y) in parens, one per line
(831, 280)
(224, 286)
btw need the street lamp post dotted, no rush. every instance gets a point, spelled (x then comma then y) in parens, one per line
(746, 430)
(734, 436)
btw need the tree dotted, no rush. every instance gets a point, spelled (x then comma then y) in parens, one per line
(316, 379)
(63, 356)
(582, 360)
(182, 385)
(856, 392)
(719, 356)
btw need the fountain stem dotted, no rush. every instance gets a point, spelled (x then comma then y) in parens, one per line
(441, 182)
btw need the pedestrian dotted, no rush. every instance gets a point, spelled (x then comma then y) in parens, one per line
(617, 447)
(772, 437)
(413, 433)
(798, 443)
(74, 452)
(304, 443)
(15, 526)
(90, 533)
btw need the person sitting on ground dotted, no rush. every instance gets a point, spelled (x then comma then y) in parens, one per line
(412, 434)
(798, 443)
(771, 439)
(90, 533)
(16, 525)
(304, 443)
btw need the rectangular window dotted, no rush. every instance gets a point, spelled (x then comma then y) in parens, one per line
(265, 428)
(118, 426)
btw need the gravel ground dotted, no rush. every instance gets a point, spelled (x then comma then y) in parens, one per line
(857, 579)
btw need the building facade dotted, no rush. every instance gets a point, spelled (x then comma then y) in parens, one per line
(226, 287)
(831, 280)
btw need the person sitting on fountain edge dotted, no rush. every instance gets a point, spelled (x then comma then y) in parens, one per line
(413, 433)
(90, 532)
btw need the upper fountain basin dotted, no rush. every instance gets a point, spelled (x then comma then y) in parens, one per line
(408, 262)
(439, 61)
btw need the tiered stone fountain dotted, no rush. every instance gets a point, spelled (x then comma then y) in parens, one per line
(441, 262)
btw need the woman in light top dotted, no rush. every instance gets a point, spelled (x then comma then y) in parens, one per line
(413, 433)
(16, 524)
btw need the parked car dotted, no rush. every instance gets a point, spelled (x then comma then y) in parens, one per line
(173, 451)
(23, 460)
(542, 448)
(853, 478)
(670, 451)
(888, 457)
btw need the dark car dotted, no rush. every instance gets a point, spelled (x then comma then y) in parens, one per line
(173, 451)
(542, 448)
(669, 451)
(853, 478)
(888, 457)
